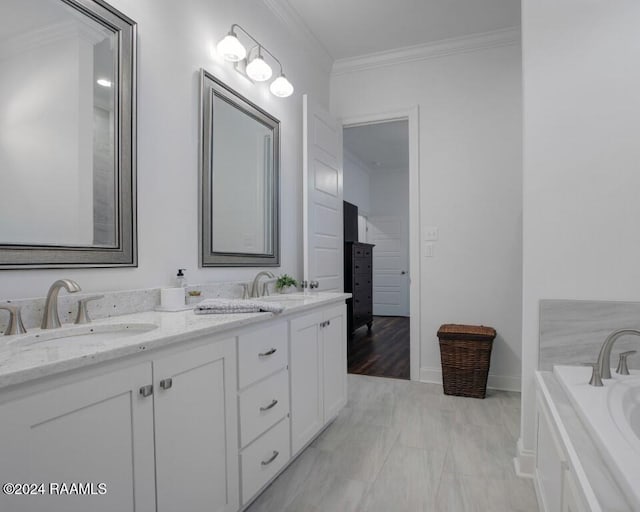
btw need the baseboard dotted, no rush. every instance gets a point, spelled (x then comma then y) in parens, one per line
(525, 461)
(501, 382)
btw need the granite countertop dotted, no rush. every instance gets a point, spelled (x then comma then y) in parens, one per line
(601, 489)
(21, 363)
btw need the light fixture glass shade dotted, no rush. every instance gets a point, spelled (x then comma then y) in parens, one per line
(231, 49)
(259, 70)
(281, 87)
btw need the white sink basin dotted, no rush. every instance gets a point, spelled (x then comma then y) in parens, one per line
(87, 333)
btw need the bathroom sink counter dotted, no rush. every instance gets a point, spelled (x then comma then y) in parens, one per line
(599, 484)
(20, 363)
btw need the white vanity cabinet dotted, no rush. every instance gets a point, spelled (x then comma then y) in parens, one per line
(196, 432)
(98, 430)
(263, 397)
(318, 348)
(102, 430)
(202, 424)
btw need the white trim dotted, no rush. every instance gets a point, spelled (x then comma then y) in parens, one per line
(412, 115)
(499, 382)
(524, 461)
(291, 19)
(432, 50)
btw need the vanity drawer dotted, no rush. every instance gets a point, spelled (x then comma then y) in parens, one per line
(261, 353)
(263, 405)
(263, 459)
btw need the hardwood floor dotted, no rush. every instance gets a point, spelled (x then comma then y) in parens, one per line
(382, 352)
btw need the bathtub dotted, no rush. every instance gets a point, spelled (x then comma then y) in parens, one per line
(612, 416)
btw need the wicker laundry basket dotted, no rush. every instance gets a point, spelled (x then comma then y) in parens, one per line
(465, 351)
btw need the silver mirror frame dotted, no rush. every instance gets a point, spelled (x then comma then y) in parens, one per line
(125, 252)
(210, 86)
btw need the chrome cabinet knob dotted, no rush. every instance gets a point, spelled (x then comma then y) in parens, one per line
(166, 383)
(146, 391)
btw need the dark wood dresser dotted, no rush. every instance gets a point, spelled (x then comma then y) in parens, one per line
(358, 280)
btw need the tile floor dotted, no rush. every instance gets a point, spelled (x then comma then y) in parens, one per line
(403, 446)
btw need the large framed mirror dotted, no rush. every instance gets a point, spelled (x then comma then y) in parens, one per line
(67, 135)
(239, 185)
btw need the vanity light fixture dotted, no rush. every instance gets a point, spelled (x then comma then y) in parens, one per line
(103, 82)
(252, 63)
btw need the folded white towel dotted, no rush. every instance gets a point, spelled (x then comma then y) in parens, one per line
(226, 306)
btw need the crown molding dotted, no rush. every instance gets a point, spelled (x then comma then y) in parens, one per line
(442, 48)
(291, 19)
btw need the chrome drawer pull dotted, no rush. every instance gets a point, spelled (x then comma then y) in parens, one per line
(166, 383)
(271, 459)
(146, 391)
(267, 353)
(270, 406)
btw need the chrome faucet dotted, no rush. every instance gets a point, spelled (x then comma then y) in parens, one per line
(255, 286)
(604, 358)
(50, 319)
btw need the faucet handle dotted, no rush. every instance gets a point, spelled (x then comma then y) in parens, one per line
(15, 325)
(595, 380)
(245, 290)
(623, 368)
(83, 315)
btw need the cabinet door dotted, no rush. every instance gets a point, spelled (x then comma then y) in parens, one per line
(306, 380)
(99, 430)
(334, 348)
(196, 430)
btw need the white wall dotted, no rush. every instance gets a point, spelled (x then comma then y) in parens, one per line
(174, 41)
(356, 183)
(470, 188)
(581, 162)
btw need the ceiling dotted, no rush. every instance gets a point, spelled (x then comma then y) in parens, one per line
(349, 28)
(382, 147)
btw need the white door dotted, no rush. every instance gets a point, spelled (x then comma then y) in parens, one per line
(390, 266)
(334, 357)
(196, 429)
(95, 431)
(322, 204)
(306, 379)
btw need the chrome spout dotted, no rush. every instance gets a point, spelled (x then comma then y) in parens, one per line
(51, 319)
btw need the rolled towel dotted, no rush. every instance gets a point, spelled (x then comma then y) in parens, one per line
(227, 306)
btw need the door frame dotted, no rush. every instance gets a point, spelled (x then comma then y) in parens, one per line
(412, 116)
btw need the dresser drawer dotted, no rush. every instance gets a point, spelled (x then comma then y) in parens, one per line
(261, 353)
(361, 266)
(263, 405)
(362, 284)
(263, 459)
(361, 252)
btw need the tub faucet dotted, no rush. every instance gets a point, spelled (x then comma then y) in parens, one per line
(50, 319)
(255, 286)
(604, 359)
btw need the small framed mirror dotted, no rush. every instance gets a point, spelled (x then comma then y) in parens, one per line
(67, 135)
(239, 185)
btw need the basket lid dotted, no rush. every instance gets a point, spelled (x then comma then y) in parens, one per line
(466, 332)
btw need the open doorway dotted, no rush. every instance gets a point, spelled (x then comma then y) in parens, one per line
(376, 190)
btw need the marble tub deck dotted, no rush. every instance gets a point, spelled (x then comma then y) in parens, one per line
(403, 446)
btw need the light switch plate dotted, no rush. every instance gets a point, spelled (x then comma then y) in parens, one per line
(428, 250)
(430, 234)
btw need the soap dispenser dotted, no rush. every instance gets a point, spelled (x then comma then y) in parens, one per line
(181, 280)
